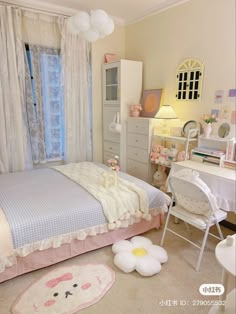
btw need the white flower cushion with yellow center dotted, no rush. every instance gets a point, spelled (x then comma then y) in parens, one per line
(139, 254)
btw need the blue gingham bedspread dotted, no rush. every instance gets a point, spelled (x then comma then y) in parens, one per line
(43, 203)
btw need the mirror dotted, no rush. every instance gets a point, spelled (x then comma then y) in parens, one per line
(224, 130)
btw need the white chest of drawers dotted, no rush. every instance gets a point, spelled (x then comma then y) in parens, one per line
(139, 134)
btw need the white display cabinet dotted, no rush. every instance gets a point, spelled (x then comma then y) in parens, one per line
(122, 87)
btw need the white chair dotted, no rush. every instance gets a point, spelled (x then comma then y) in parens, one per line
(193, 203)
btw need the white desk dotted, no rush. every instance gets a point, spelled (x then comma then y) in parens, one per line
(221, 181)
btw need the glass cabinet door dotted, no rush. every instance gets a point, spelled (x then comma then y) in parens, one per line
(111, 84)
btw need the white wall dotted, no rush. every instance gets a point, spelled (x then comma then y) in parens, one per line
(114, 43)
(202, 29)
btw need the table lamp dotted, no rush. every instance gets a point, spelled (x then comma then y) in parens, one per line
(166, 112)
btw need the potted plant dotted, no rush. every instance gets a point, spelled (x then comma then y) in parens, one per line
(209, 119)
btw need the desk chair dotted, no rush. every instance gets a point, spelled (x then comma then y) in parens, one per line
(193, 203)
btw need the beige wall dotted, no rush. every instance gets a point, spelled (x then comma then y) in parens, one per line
(203, 29)
(115, 43)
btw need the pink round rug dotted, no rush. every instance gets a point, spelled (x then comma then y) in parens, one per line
(66, 290)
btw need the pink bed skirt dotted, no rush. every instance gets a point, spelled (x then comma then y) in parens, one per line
(40, 259)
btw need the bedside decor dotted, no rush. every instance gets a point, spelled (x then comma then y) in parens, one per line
(139, 254)
(166, 112)
(151, 101)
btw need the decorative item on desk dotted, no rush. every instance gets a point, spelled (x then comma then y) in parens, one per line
(165, 113)
(135, 110)
(155, 153)
(208, 123)
(181, 156)
(151, 101)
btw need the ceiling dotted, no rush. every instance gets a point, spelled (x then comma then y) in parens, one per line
(123, 11)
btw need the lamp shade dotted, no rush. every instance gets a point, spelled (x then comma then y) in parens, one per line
(166, 112)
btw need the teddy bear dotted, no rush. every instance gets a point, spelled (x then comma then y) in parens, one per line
(181, 155)
(155, 153)
(163, 158)
(159, 178)
(172, 156)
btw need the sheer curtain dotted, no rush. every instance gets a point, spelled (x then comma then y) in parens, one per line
(14, 144)
(75, 69)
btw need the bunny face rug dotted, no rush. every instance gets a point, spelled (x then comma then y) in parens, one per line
(66, 290)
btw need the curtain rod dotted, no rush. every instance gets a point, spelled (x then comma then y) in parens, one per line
(36, 10)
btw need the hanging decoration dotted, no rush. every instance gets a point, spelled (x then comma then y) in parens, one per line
(91, 27)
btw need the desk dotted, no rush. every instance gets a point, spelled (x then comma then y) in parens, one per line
(226, 256)
(221, 181)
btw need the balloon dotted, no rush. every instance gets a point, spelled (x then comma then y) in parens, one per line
(79, 22)
(91, 35)
(98, 26)
(107, 28)
(98, 19)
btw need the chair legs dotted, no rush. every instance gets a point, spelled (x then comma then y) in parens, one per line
(203, 246)
(166, 224)
(219, 231)
(203, 241)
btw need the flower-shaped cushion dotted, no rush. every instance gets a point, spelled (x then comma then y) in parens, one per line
(139, 254)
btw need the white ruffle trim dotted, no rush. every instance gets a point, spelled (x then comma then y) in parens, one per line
(128, 219)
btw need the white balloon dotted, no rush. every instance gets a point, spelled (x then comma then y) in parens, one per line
(107, 29)
(91, 35)
(79, 22)
(98, 19)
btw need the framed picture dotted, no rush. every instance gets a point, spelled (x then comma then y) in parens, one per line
(151, 101)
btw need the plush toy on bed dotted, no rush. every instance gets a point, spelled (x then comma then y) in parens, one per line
(155, 153)
(159, 178)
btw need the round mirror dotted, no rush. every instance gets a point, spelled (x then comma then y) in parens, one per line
(224, 130)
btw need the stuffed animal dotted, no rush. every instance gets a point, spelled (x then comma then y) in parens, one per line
(163, 159)
(159, 177)
(172, 156)
(156, 149)
(181, 156)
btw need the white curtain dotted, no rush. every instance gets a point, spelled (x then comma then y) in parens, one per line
(41, 29)
(75, 69)
(14, 143)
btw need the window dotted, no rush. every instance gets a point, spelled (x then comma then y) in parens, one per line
(45, 72)
(189, 80)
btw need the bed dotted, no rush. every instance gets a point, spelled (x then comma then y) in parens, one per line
(47, 216)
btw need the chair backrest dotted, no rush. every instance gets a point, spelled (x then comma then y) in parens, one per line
(192, 197)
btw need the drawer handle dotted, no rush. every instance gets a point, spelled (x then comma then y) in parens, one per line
(136, 141)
